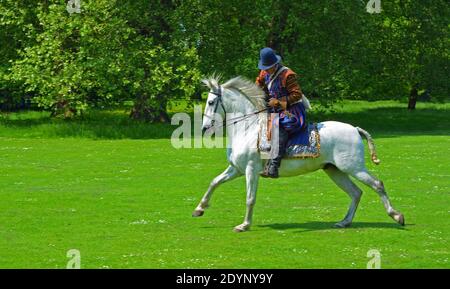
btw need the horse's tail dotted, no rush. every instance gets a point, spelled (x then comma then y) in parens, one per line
(371, 144)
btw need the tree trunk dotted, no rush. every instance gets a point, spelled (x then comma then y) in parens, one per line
(63, 108)
(413, 97)
(143, 111)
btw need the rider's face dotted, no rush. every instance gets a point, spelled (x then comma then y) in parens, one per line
(272, 69)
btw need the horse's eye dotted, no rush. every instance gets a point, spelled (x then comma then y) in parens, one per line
(211, 102)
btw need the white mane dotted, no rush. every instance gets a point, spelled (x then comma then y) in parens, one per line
(242, 85)
(212, 82)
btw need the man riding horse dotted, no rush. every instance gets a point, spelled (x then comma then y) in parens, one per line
(283, 95)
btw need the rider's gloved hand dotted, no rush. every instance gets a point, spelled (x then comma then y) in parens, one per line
(273, 102)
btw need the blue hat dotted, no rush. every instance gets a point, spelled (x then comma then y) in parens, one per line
(268, 58)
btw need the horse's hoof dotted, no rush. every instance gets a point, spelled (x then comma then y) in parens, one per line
(241, 228)
(399, 218)
(198, 213)
(342, 224)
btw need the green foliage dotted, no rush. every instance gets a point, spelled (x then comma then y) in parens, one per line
(227, 34)
(337, 48)
(16, 20)
(151, 52)
(101, 56)
(411, 47)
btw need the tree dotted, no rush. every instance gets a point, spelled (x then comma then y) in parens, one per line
(411, 47)
(17, 22)
(152, 52)
(110, 52)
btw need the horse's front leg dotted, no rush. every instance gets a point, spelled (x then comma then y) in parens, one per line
(252, 177)
(229, 174)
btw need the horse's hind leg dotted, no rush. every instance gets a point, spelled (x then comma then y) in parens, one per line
(378, 186)
(345, 183)
(229, 174)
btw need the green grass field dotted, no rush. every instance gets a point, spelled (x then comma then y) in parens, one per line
(118, 192)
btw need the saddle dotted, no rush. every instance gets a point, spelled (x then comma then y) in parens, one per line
(303, 144)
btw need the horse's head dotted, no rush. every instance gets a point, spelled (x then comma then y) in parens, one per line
(214, 109)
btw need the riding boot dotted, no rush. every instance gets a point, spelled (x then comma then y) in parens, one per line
(271, 170)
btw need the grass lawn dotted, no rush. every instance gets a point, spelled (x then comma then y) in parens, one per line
(118, 192)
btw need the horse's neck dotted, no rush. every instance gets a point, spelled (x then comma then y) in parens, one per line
(244, 132)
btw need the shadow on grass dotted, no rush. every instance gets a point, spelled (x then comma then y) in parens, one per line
(394, 121)
(320, 226)
(380, 120)
(95, 125)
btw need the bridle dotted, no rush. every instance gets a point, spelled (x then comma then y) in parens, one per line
(218, 101)
(233, 120)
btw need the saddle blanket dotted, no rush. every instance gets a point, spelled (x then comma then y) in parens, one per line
(303, 144)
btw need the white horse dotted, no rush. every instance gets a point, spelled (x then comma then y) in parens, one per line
(341, 150)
